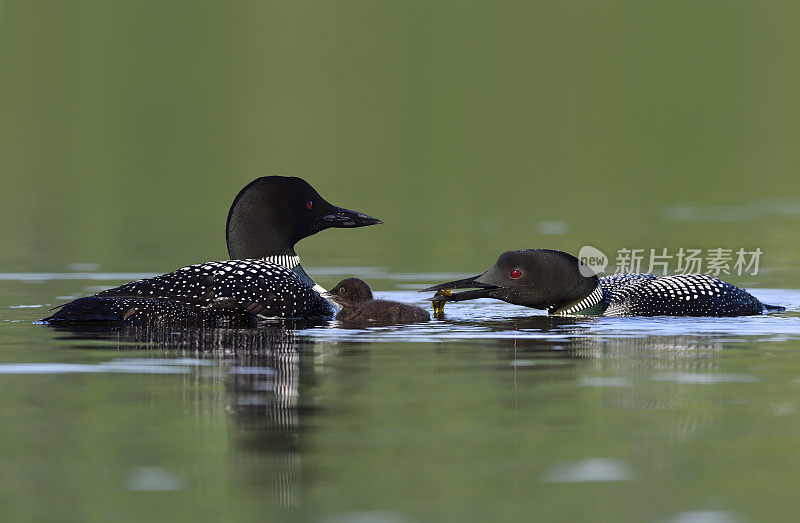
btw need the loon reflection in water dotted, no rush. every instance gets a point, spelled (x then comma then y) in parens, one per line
(263, 378)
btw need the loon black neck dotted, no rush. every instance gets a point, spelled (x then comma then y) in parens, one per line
(247, 242)
(298, 270)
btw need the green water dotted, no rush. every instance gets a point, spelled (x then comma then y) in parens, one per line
(469, 128)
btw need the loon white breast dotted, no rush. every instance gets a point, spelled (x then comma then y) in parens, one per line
(561, 284)
(263, 278)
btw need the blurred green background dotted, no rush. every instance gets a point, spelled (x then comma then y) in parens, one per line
(470, 128)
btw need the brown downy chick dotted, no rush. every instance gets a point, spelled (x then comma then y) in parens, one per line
(358, 306)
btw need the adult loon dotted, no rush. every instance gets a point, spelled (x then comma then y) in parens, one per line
(561, 284)
(262, 279)
(358, 306)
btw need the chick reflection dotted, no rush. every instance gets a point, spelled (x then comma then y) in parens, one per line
(263, 380)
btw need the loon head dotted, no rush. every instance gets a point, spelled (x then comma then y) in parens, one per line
(350, 292)
(272, 213)
(537, 278)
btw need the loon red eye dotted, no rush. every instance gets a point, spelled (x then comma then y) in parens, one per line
(309, 204)
(515, 274)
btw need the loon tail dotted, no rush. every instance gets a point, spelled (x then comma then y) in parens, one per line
(773, 308)
(90, 309)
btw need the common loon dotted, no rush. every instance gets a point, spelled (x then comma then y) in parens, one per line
(263, 278)
(561, 284)
(359, 307)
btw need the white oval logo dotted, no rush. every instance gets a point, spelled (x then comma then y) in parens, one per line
(594, 261)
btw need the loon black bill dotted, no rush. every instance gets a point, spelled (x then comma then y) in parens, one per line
(345, 218)
(485, 290)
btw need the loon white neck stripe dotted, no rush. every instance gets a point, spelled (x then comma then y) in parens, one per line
(290, 262)
(590, 301)
(284, 260)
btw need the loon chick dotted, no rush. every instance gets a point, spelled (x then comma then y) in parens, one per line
(563, 285)
(263, 278)
(358, 306)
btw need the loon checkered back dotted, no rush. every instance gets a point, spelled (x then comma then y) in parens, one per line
(676, 295)
(233, 292)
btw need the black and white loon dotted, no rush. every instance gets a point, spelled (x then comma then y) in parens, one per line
(562, 285)
(263, 278)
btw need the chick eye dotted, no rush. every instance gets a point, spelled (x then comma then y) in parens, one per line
(309, 204)
(341, 291)
(515, 274)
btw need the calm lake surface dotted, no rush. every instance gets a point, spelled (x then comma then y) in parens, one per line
(496, 412)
